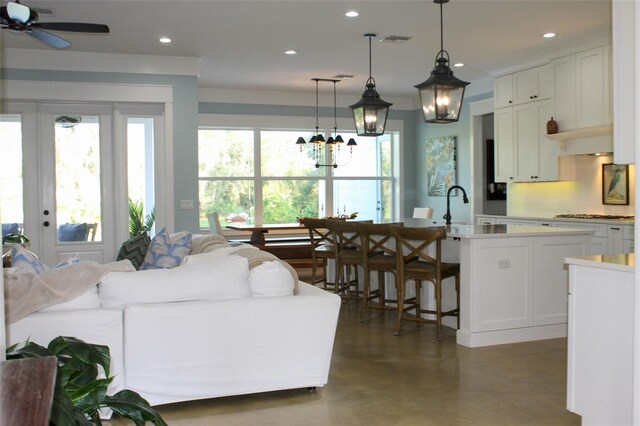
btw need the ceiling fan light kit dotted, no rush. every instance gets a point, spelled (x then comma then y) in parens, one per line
(441, 95)
(17, 17)
(370, 112)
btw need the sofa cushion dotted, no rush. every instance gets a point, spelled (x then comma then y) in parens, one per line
(220, 279)
(166, 251)
(135, 249)
(25, 261)
(271, 279)
(72, 232)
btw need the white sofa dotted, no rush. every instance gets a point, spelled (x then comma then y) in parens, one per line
(175, 351)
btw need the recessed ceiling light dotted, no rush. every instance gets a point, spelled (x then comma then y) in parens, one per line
(459, 64)
(290, 52)
(165, 40)
(549, 35)
(351, 14)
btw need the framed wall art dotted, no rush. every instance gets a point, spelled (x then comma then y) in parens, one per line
(441, 165)
(615, 184)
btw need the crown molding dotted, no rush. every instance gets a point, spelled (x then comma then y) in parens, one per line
(99, 62)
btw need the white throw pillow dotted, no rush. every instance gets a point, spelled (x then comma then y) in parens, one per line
(90, 299)
(219, 279)
(271, 279)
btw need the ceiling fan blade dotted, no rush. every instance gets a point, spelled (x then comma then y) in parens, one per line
(18, 12)
(74, 26)
(48, 38)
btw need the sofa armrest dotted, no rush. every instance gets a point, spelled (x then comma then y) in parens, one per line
(98, 326)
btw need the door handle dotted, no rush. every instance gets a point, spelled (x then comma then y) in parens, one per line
(45, 223)
(46, 212)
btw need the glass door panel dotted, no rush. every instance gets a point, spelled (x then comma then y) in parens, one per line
(78, 178)
(11, 182)
(140, 165)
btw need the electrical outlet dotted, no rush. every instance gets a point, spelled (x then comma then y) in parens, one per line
(504, 263)
(186, 204)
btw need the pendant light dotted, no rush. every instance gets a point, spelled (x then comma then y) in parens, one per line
(333, 143)
(370, 112)
(441, 94)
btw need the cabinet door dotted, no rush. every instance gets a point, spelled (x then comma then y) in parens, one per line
(551, 283)
(503, 298)
(615, 239)
(624, 81)
(532, 85)
(503, 91)
(504, 145)
(548, 150)
(564, 93)
(591, 94)
(525, 124)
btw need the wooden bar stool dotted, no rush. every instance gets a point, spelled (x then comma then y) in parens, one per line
(379, 254)
(415, 263)
(349, 254)
(323, 248)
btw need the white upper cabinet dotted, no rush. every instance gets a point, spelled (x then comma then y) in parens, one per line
(582, 89)
(530, 85)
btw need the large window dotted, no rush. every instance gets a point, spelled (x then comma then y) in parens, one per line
(258, 175)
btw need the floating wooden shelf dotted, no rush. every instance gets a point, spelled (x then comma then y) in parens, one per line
(581, 133)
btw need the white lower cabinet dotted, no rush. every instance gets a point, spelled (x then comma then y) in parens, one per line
(524, 281)
(600, 345)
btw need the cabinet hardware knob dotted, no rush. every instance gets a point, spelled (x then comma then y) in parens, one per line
(510, 101)
(46, 223)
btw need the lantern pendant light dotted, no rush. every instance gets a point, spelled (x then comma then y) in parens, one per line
(370, 112)
(441, 94)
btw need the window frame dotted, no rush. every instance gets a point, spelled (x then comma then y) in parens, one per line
(259, 123)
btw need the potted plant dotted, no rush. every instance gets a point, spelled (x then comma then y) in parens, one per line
(7, 241)
(138, 223)
(79, 394)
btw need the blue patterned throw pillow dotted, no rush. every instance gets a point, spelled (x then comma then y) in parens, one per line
(25, 261)
(167, 252)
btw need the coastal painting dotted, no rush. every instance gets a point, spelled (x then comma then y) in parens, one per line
(441, 165)
(615, 184)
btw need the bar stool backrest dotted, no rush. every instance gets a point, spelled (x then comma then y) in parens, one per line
(319, 234)
(378, 238)
(412, 243)
(347, 233)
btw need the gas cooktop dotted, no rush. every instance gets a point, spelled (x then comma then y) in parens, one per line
(593, 216)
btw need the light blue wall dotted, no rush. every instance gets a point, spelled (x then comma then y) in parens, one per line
(185, 122)
(461, 130)
(186, 109)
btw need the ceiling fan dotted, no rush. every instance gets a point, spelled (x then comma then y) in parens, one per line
(20, 18)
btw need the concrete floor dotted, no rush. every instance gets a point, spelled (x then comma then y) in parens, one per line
(380, 379)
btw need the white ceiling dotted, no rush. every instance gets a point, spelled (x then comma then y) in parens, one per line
(241, 43)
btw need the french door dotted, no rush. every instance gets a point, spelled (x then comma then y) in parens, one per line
(70, 170)
(76, 184)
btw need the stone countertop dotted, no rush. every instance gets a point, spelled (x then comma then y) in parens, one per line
(563, 219)
(624, 262)
(497, 231)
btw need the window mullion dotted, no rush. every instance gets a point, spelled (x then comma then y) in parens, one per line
(257, 180)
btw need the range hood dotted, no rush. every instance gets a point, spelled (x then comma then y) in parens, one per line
(592, 140)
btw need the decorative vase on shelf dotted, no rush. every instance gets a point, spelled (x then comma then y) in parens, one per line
(552, 127)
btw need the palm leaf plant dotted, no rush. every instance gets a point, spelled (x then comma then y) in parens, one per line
(138, 223)
(79, 392)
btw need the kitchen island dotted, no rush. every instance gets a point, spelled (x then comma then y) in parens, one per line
(513, 281)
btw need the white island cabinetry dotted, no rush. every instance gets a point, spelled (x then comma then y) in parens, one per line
(513, 283)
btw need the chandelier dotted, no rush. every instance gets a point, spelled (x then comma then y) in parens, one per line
(441, 94)
(322, 150)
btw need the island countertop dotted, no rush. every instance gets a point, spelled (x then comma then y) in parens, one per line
(496, 231)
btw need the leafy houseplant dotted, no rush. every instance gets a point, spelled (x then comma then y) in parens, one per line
(79, 393)
(14, 239)
(138, 223)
